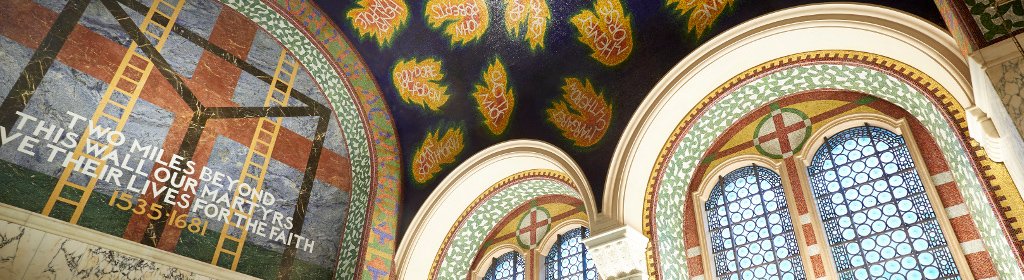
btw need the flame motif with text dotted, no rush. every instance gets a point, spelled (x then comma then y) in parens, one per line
(419, 82)
(379, 19)
(495, 98)
(435, 151)
(702, 12)
(535, 14)
(606, 30)
(583, 116)
(463, 20)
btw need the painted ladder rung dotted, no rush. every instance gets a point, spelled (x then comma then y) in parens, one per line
(76, 186)
(153, 24)
(168, 4)
(124, 78)
(103, 148)
(258, 152)
(274, 122)
(284, 77)
(68, 201)
(229, 252)
(251, 165)
(243, 214)
(280, 103)
(131, 66)
(247, 174)
(273, 126)
(156, 37)
(145, 61)
(111, 117)
(231, 237)
(261, 142)
(161, 13)
(119, 105)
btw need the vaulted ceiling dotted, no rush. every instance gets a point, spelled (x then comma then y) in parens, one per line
(462, 75)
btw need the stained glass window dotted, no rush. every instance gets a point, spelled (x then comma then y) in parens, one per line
(509, 266)
(877, 217)
(569, 258)
(750, 226)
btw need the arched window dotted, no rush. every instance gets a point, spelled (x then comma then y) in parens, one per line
(569, 258)
(878, 219)
(509, 266)
(750, 226)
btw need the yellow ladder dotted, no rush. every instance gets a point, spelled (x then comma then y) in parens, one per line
(115, 107)
(254, 170)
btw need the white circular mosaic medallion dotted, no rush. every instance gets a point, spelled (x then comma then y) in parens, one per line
(533, 226)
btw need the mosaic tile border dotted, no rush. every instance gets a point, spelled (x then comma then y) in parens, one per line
(467, 235)
(363, 115)
(876, 75)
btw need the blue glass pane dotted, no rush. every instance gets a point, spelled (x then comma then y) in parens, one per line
(751, 230)
(877, 217)
(510, 266)
(569, 258)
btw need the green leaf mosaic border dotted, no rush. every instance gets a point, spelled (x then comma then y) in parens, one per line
(994, 19)
(665, 224)
(368, 163)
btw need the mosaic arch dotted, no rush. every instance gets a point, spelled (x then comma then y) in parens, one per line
(528, 225)
(466, 238)
(878, 76)
(562, 78)
(292, 78)
(821, 111)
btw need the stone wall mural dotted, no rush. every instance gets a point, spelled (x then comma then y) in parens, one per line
(185, 126)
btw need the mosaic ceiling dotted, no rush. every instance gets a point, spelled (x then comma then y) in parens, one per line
(462, 75)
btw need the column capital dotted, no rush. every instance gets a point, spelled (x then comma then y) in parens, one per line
(619, 252)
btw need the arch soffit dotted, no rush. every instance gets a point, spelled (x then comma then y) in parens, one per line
(510, 172)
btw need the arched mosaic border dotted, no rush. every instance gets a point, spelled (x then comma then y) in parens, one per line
(877, 75)
(463, 240)
(365, 120)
